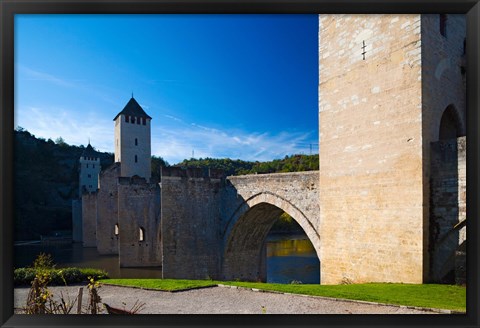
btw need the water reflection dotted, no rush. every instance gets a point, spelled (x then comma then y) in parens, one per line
(292, 258)
(290, 247)
(288, 258)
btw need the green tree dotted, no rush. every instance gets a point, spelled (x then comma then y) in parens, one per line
(157, 163)
(61, 142)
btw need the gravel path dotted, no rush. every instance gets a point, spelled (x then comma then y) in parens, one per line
(222, 300)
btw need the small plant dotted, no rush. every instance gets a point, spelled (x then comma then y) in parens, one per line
(44, 261)
(95, 299)
(346, 281)
(40, 299)
(296, 282)
(137, 307)
(64, 306)
(38, 295)
(60, 273)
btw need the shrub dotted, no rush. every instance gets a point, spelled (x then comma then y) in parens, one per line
(24, 276)
(63, 276)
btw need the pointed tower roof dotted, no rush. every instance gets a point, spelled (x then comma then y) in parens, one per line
(133, 109)
(89, 152)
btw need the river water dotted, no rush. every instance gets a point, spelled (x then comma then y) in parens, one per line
(289, 258)
(292, 258)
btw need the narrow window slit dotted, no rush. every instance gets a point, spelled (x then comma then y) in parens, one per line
(443, 25)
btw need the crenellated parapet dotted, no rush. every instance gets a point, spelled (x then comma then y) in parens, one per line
(192, 173)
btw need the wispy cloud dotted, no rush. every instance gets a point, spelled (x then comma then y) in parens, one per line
(29, 74)
(177, 140)
(172, 138)
(74, 128)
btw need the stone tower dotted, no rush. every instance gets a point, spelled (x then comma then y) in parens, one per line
(89, 170)
(132, 141)
(386, 85)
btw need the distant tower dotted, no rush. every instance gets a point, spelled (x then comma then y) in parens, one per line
(132, 141)
(89, 170)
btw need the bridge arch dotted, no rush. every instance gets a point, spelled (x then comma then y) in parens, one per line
(246, 232)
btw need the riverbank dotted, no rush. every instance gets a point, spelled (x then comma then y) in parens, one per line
(223, 300)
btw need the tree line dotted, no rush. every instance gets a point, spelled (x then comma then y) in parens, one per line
(294, 163)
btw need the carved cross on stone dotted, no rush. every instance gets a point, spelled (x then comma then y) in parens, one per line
(363, 48)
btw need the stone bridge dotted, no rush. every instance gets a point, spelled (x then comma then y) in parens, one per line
(259, 201)
(215, 227)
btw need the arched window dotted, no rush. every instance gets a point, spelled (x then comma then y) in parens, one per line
(136, 142)
(449, 124)
(141, 234)
(117, 230)
(133, 119)
(136, 159)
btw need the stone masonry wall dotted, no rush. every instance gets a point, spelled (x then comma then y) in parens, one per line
(107, 210)
(448, 203)
(139, 207)
(77, 223)
(371, 183)
(89, 219)
(190, 221)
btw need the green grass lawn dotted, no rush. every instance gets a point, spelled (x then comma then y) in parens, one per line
(170, 285)
(449, 297)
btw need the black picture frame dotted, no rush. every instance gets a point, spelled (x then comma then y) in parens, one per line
(8, 8)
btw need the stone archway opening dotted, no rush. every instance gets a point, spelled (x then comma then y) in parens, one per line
(291, 256)
(448, 200)
(246, 249)
(450, 127)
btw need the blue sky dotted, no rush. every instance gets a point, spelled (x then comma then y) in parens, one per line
(237, 86)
